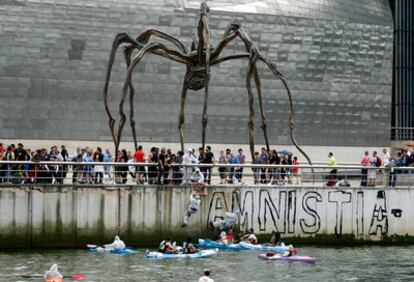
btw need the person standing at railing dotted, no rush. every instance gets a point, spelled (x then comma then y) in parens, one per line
(209, 159)
(390, 167)
(295, 170)
(152, 169)
(365, 162)
(65, 156)
(98, 169)
(222, 170)
(273, 160)
(372, 171)
(385, 160)
(264, 159)
(332, 177)
(2, 167)
(107, 157)
(87, 170)
(20, 155)
(200, 160)
(177, 169)
(8, 155)
(188, 159)
(256, 170)
(241, 160)
(139, 157)
(161, 166)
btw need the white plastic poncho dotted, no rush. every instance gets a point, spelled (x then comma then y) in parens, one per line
(193, 207)
(53, 273)
(197, 176)
(228, 222)
(117, 244)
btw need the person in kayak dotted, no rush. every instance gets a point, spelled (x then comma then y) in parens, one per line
(166, 247)
(276, 239)
(249, 237)
(290, 252)
(230, 237)
(53, 275)
(188, 247)
(206, 276)
(117, 244)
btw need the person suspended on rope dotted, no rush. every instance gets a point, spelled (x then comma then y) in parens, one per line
(227, 223)
(193, 207)
(53, 275)
(117, 244)
(197, 177)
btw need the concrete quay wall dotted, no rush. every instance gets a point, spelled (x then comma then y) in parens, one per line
(46, 217)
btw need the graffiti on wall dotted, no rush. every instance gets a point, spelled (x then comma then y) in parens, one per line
(290, 211)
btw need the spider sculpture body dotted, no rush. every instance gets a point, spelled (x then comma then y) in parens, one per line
(198, 60)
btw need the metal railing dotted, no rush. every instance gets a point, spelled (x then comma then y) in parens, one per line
(131, 173)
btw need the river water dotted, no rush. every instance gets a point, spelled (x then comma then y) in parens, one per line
(371, 263)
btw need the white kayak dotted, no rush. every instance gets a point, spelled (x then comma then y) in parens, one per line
(265, 248)
(200, 254)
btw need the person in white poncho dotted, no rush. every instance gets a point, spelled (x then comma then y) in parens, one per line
(53, 274)
(117, 244)
(206, 276)
(193, 207)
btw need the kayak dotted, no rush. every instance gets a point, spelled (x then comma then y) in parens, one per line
(201, 254)
(272, 256)
(126, 251)
(210, 244)
(264, 248)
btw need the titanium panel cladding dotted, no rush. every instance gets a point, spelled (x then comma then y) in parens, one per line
(336, 56)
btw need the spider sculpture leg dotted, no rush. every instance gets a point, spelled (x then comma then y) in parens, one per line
(132, 45)
(235, 31)
(152, 47)
(181, 116)
(127, 54)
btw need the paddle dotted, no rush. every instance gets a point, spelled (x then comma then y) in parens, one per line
(74, 276)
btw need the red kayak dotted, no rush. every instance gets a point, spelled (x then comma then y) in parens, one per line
(273, 256)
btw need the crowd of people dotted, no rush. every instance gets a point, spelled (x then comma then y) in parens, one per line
(162, 166)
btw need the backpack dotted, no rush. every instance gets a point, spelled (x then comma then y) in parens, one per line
(378, 163)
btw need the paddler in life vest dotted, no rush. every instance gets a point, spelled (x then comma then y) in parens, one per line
(276, 239)
(188, 247)
(53, 274)
(117, 244)
(230, 237)
(166, 247)
(249, 237)
(290, 252)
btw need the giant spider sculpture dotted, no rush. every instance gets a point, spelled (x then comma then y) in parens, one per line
(198, 61)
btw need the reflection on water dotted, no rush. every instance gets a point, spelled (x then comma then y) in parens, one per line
(371, 263)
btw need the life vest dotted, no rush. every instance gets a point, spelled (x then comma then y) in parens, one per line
(230, 238)
(163, 246)
(186, 249)
(292, 252)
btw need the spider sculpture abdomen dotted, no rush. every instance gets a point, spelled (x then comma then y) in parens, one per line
(196, 80)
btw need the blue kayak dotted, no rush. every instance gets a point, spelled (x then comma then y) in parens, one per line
(265, 248)
(210, 244)
(201, 254)
(126, 251)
